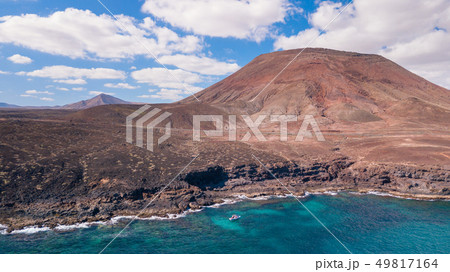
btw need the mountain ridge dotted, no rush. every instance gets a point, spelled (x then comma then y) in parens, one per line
(99, 100)
(321, 81)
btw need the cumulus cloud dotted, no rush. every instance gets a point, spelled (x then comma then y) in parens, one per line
(71, 81)
(82, 34)
(35, 94)
(221, 18)
(163, 78)
(38, 92)
(4, 72)
(19, 59)
(78, 89)
(414, 34)
(72, 75)
(121, 86)
(202, 65)
(166, 94)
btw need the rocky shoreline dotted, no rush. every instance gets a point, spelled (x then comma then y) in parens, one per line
(30, 229)
(211, 186)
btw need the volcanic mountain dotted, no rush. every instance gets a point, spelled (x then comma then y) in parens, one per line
(385, 129)
(337, 86)
(99, 100)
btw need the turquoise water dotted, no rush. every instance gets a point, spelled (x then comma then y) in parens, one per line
(365, 224)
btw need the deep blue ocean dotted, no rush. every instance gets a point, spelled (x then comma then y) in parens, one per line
(364, 223)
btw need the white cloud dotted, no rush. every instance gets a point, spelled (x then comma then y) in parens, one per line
(4, 73)
(83, 34)
(66, 72)
(71, 81)
(62, 89)
(164, 78)
(38, 92)
(435, 72)
(98, 93)
(221, 18)
(166, 94)
(78, 89)
(415, 34)
(74, 76)
(19, 59)
(121, 86)
(202, 65)
(35, 94)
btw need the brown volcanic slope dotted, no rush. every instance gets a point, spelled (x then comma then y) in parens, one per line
(99, 100)
(339, 86)
(368, 107)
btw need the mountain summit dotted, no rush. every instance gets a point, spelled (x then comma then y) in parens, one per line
(339, 86)
(99, 100)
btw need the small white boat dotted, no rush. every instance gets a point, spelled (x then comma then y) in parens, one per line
(234, 217)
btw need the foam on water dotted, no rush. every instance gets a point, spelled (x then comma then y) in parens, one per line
(261, 198)
(225, 202)
(331, 193)
(394, 196)
(3, 229)
(77, 226)
(170, 216)
(30, 230)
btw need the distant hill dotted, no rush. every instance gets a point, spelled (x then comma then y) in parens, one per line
(99, 100)
(6, 105)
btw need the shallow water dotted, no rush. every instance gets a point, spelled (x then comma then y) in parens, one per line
(365, 224)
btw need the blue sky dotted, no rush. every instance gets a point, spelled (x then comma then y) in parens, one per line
(60, 52)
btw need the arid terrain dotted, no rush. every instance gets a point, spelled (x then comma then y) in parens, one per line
(385, 128)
